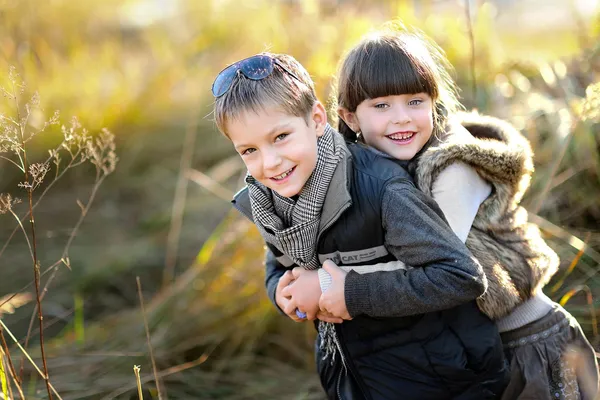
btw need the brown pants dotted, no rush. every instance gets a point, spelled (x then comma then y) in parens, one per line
(550, 359)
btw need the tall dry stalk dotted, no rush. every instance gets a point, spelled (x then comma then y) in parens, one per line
(77, 147)
(28, 356)
(101, 153)
(154, 371)
(12, 371)
(136, 371)
(178, 208)
(15, 135)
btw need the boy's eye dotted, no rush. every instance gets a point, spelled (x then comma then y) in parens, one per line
(415, 102)
(248, 151)
(281, 136)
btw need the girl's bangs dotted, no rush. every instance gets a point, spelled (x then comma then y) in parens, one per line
(385, 71)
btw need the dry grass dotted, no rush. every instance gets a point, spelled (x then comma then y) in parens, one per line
(212, 332)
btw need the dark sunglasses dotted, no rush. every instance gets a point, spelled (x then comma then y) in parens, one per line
(256, 68)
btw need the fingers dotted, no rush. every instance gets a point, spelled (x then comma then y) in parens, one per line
(326, 317)
(324, 313)
(290, 311)
(311, 316)
(323, 302)
(297, 271)
(285, 279)
(330, 266)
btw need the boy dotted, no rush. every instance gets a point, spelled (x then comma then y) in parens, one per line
(314, 198)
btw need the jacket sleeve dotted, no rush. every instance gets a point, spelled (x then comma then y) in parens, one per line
(274, 271)
(445, 274)
(458, 191)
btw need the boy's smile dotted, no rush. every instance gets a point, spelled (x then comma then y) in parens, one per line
(279, 150)
(281, 178)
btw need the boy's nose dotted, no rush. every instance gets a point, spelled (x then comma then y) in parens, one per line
(271, 160)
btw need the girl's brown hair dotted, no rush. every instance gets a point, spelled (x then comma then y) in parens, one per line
(396, 61)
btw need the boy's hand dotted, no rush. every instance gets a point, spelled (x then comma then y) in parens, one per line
(286, 303)
(333, 300)
(304, 291)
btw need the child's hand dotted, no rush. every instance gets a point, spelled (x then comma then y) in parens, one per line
(333, 300)
(328, 317)
(305, 291)
(286, 303)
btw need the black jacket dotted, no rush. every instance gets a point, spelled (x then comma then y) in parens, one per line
(400, 343)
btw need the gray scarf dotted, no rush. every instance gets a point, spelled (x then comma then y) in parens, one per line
(293, 226)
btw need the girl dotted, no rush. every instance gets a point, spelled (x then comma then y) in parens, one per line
(477, 169)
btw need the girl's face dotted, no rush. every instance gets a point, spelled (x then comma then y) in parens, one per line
(398, 125)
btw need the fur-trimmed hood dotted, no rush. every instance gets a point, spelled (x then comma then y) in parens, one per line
(499, 153)
(515, 258)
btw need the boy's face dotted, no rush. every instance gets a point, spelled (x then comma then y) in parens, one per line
(279, 150)
(398, 125)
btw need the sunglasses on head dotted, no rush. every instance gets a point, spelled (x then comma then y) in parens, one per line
(256, 68)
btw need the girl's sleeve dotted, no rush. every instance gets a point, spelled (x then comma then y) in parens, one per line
(444, 272)
(459, 191)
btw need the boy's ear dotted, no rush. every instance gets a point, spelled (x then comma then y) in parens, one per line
(319, 118)
(349, 118)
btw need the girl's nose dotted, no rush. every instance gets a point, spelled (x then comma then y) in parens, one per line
(401, 117)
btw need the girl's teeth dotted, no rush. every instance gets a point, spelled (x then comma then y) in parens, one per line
(401, 136)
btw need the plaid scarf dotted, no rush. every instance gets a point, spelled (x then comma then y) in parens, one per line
(293, 226)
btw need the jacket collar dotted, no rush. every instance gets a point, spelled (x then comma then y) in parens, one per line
(338, 194)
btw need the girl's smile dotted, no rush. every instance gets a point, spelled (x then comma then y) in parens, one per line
(402, 138)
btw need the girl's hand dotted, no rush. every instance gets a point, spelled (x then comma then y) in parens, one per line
(332, 300)
(328, 317)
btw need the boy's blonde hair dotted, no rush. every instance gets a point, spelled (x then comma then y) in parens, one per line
(280, 90)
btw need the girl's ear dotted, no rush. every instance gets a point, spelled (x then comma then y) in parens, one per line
(319, 117)
(349, 118)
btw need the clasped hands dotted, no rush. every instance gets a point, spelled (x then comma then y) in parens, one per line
(300, 289)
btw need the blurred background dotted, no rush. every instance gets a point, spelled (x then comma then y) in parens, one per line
(143, 70)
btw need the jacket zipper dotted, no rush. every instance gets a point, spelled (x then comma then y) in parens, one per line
(338, 385)
(340, 348)
(347, 367)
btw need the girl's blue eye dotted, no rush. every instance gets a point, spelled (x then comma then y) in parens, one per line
(415, 102)
(248, 151)
(281, 137)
